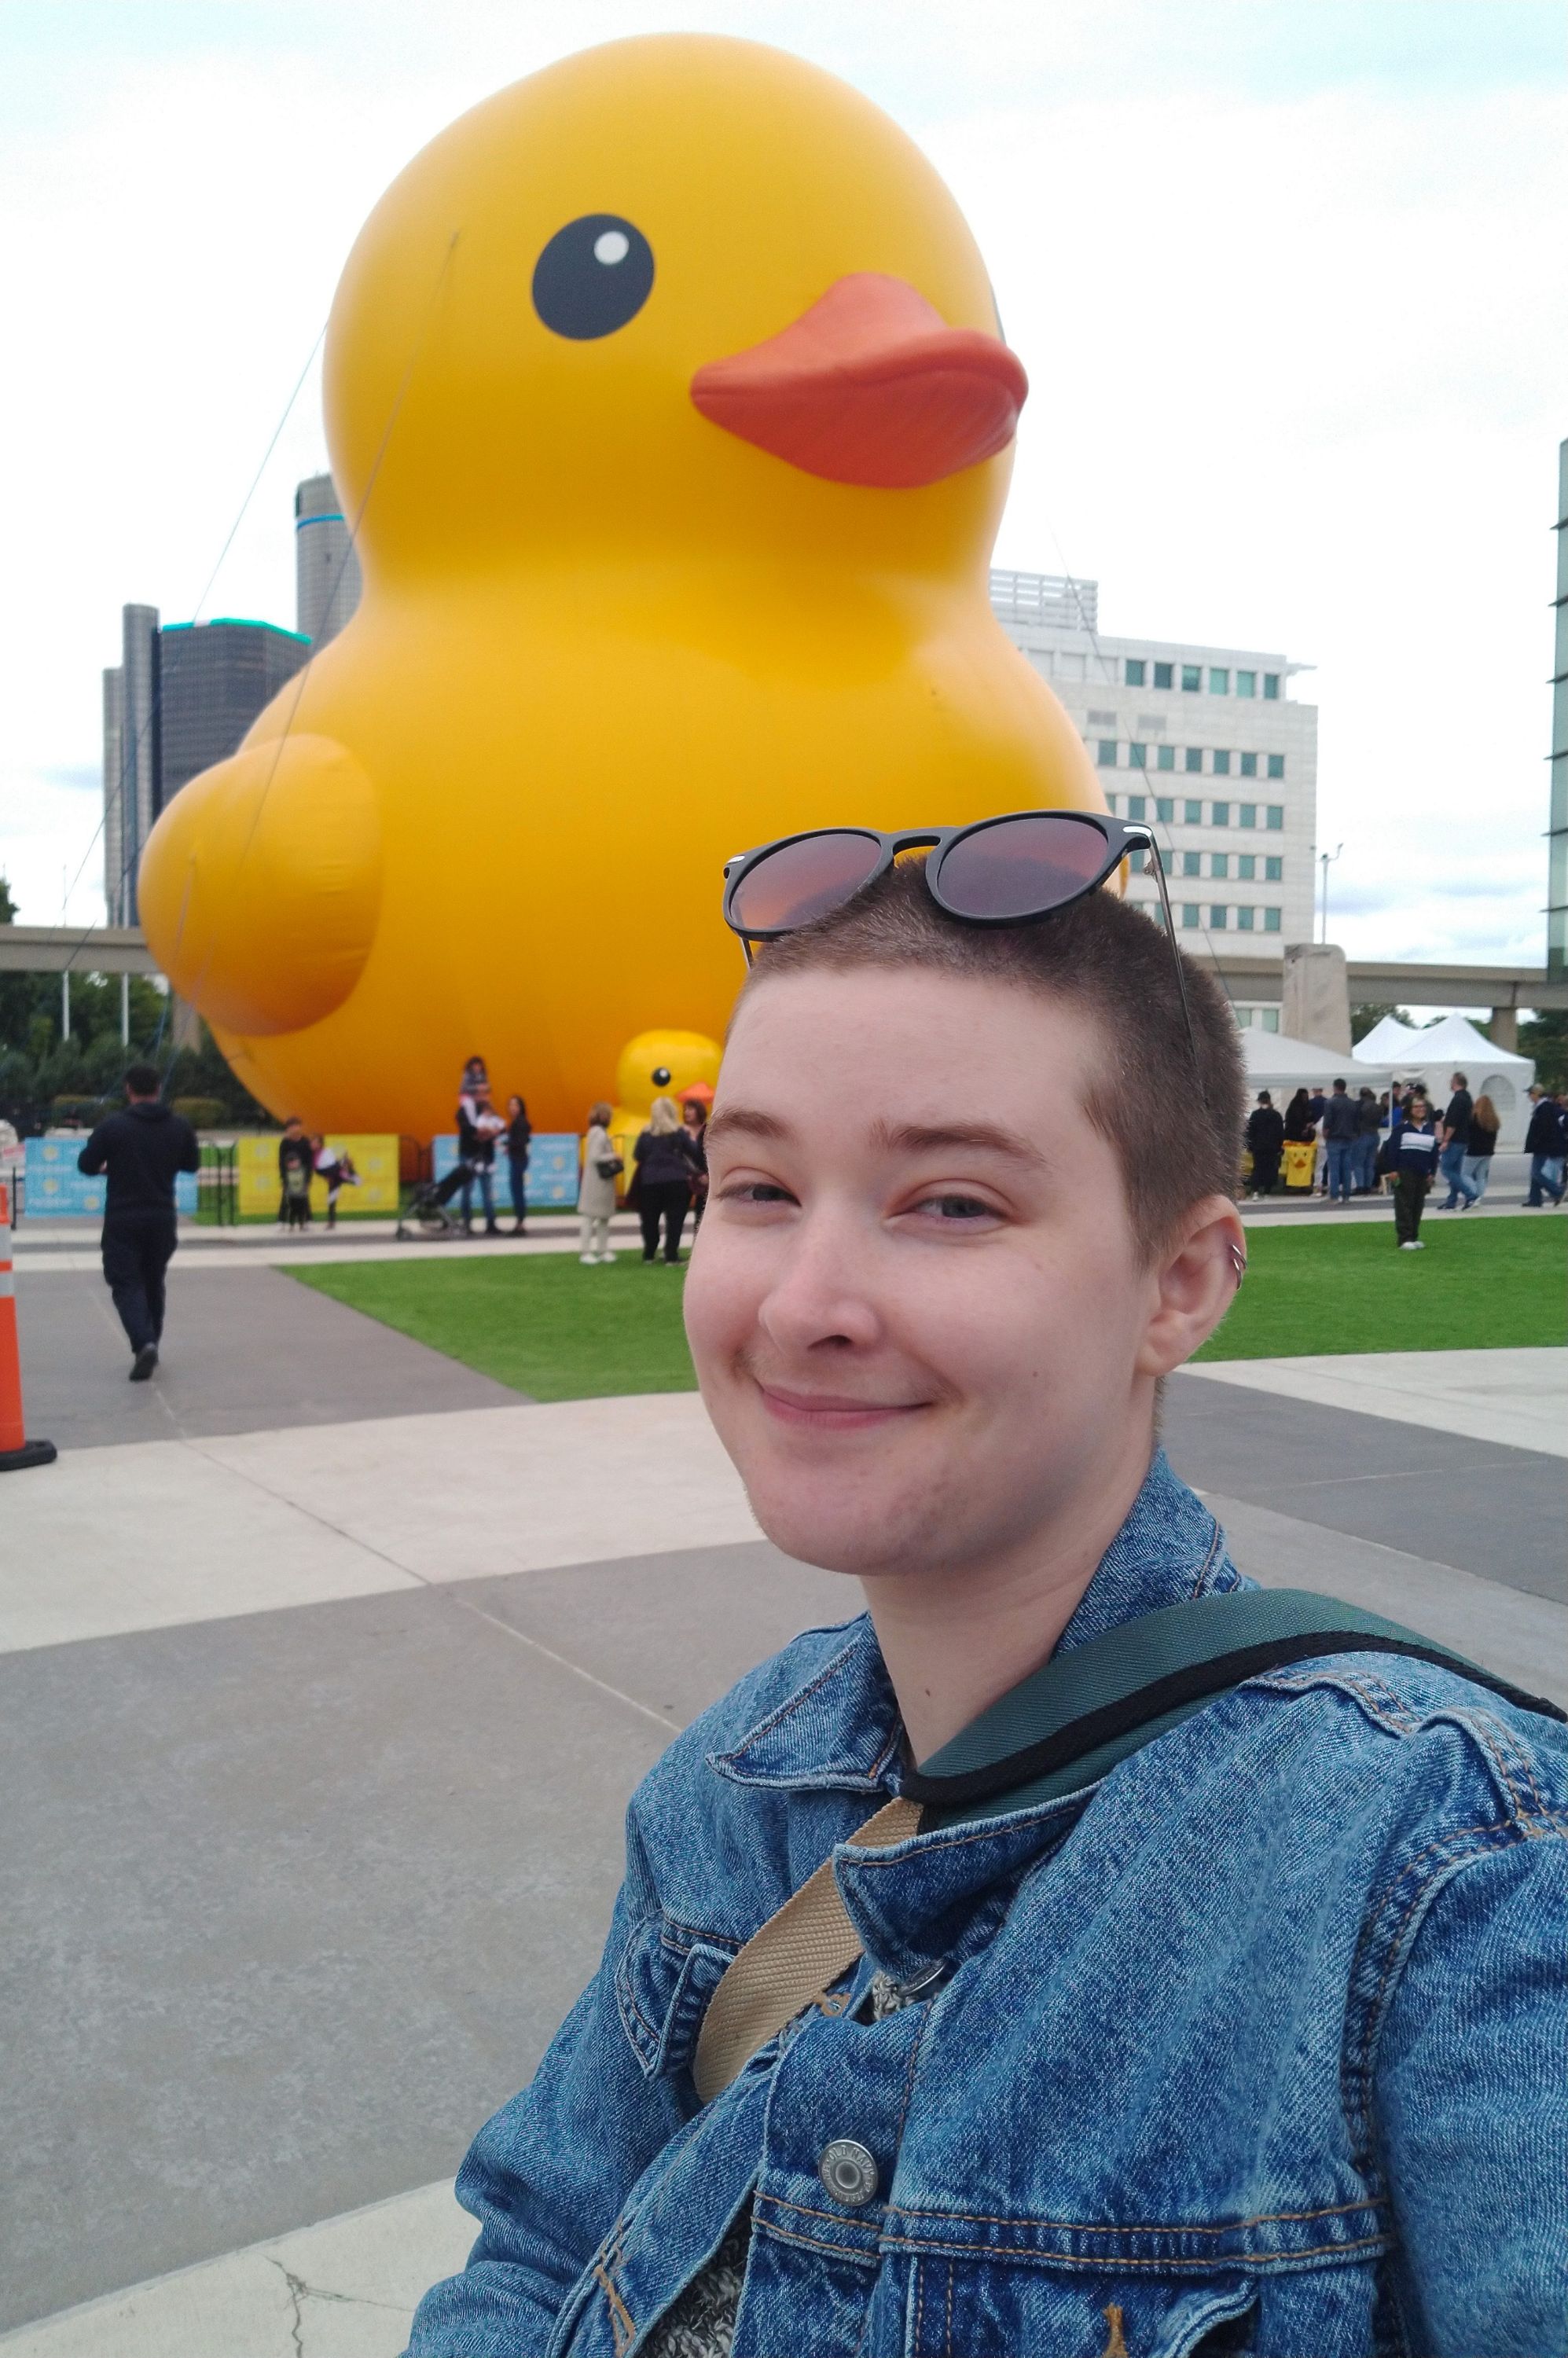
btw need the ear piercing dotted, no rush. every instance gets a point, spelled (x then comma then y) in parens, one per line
(1239, 1262)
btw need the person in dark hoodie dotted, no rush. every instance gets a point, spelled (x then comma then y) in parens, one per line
(141, 1149)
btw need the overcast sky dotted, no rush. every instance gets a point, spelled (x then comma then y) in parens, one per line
(1288, 280)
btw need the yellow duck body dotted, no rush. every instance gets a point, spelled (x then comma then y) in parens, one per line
(605, 642)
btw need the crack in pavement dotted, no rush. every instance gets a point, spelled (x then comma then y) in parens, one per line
(299, 2292)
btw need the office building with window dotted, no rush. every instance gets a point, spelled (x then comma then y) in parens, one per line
(327, 580)
(181, 699)
(1204, 743)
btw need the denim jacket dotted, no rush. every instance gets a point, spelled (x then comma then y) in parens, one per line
(1256, 2045)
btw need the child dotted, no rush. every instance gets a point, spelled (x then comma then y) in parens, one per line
(1244, 2035)
(336, 1170)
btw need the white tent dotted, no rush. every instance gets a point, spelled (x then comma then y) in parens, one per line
(1276, 1062)
(1455, 1045)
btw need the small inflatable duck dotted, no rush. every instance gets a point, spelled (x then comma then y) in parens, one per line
(668, 389)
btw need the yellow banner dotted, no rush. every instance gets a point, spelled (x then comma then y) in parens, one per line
(376, 1166)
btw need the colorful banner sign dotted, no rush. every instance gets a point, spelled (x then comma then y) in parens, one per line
(374, 1158)
(554, 1160)
(56, 1189)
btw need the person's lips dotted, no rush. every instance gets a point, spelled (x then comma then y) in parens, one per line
(832, 1412)
(871, 385)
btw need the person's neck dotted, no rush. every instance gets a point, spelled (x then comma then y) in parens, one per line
(955, 1640)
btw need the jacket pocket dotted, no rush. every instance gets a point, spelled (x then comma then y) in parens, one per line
(666, 1975)
(960, 2309)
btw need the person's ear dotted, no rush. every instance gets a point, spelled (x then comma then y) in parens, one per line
(1195, 1280)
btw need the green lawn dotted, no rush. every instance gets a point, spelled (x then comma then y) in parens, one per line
(549, 1326)
(1479, 1284)
(545, 1325)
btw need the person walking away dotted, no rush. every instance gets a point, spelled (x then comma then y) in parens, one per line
(694, 1118)
(1543, 1144)
(296, 1167)
(665, 1160)
(1476, 1169)
(1369, 1124)
(1301, 1131)
(1454, 1138)
(1415, 1161)
(1340, 1126)
(518, 1133)
(602, 1166)
(141, 1149)
(1265, 1144)
(336, 1171)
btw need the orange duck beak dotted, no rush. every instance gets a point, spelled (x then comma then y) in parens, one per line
(869, 386)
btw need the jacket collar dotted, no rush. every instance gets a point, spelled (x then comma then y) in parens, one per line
(841, 1731)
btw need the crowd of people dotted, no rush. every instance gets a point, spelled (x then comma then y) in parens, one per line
(1342, 1146)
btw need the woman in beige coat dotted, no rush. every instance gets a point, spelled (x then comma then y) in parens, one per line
(596, 1189)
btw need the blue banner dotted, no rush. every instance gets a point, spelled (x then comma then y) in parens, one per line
(56, 1189)
(553, 1167)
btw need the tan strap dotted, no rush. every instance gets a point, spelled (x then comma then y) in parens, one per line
(788, 1963)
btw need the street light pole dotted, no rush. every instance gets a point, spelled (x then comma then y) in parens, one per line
(1326, 856)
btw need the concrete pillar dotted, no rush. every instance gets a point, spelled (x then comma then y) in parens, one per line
(125, 1010)
(1315, 995)
(1503, 1029)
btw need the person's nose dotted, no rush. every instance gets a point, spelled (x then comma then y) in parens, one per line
(823, 1293)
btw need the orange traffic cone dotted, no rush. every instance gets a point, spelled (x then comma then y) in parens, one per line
(16, 1449)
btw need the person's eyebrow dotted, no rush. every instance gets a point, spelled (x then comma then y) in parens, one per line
(967, 1137)
(746, 1121)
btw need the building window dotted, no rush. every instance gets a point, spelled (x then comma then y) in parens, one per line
(1164, 810)
(1221, 815)
(1191, 814)
(1249, 765)
(1191, 863)
(1163, 674)
(1192, 679)
(1246, 683)
(1246, 813)
(1270, 1014)
(1271, 685)
(1244, 918)
(1271, 921)
(1135, 807)
(1138, 757)
(1102, 721)
(1273, 870)
(1222, 765)
(1218, 917)
(1246, 867)
(1189, 916)
(1219, 681)
(1219, 863)
(1276, 815)
(1195, 759)
(1134, 670)
(1276, 765)
(1107, 753)
(1165, 757)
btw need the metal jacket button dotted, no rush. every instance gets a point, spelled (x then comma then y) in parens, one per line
(847, 2172)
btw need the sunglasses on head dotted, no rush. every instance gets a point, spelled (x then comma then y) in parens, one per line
(995, 872)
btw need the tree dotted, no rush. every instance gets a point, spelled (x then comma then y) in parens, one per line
(1369, 1014)
(1545, 1037)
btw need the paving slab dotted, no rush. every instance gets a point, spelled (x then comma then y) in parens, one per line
(1519, 1397)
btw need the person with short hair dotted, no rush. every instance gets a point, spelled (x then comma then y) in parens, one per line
(947, 2004)
(296, 1169)
(1546, 1142)
(519, 1130)
(1339, 1132)
(666, 1163)
(1265, 1144)
(1369, 1124)
(1453, 1137)
(1415, 1161)
(141, 1149)
(596, 1189)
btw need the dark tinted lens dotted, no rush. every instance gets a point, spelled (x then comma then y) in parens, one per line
(1021, 866)
(801, 880)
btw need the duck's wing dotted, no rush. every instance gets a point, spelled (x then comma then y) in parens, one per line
(261, 884)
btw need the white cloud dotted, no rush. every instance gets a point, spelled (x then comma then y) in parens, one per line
(1297, 363)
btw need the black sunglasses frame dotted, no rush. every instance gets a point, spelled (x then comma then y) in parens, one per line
(1121, 837)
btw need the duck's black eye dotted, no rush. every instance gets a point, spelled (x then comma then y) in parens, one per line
(593, 276)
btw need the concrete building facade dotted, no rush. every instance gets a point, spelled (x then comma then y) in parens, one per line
(327, 579)
(182, 697)
(1205, 745)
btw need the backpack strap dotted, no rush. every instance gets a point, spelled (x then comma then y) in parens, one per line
(1063, 1728)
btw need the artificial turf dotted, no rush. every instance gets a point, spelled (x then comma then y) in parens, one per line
(549, 1328)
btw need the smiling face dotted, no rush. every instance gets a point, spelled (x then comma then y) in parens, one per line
(679, 287)
(921, 1323)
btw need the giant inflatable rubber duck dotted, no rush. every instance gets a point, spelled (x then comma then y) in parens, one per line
(668, 389)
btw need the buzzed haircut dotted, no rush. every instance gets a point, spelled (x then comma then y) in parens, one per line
(1176, 1133)
(142, 1081)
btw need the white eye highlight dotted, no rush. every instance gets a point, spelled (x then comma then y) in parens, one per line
(611, 245)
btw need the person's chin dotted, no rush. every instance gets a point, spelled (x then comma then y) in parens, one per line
(858, 1533)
